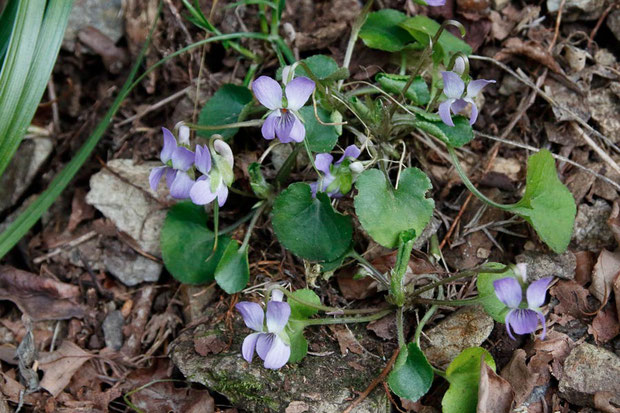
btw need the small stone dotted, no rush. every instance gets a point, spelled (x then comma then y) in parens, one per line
(25, 164)
(468, 327)
(587, 370)
(540, 265)
(578, 9)
(499, 4)
(104, 15)
(113, 330)
(604, 106)
(591, 231)
(128, 266)
(613, 22)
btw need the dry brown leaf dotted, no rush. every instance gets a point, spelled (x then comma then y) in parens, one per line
(39, 297)
(346, 340)
(210, 344)
(558, 346)
(617, 294)
(573, 299)
(530, 49)
(519, 376)
(60, 366)
(605, 271)
(353, 289)
(614, 220)
(495, 394)
(164, 397)
(114, 58)
(605, 325)
(384, 327)
(602, 402)
(584, 266)
(80, 210)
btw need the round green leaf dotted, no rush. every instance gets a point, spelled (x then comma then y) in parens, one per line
(491, 304)
(222, 108)
(412, 374)
(463, 374)
(310, 227)
(321, 138)
(321, 66)
(456, 136)
(186, 244)
(385, 212)
(300, 311)
(233, 271)
(382, 31)
(299, 344)
(418, 92)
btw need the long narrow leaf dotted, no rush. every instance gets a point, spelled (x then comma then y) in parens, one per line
(6, 26)
(50, 38)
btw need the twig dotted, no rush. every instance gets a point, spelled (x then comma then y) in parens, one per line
(51, 92)
(155, 106)
(557, 26)
(374, 383)
(69, 245)
(608, 159)
(600, 22)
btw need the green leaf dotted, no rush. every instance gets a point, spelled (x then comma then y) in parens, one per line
(382, 31)
(7, 18)
(233, 271)
(300, 311)
(463, 374)
(222, 108)
(385, 212)
(320, 138)
(412, 374)
(322, 67)
(310, 227)
(299, 344)
(423, 29)
(418, 92)
(547, 204)
(491, 304)
(186, 244)
(456, 136)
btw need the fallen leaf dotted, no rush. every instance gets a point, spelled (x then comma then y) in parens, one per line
(519, 376)
(584, 266)
(60, 366)
(139, 318)
(80, 210)
(605, 271)
(114, 58)
(605, 325)
(164, 397)
(356, 289)
(297, 407)
(530, 49)
(210, 344)
(346, 340)
(614, 220)
(39, 297)
(617, 294)
(558, 346)
(573, 299)
(495, 394)
(384, 327)
(602, 402)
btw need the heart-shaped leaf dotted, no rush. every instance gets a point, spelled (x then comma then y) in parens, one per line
(186, 244)
(382, 31)
(456, 136)
(233, 271)
(321, 138)
(547, 204)
(310, 227)
(491, 304)
(385, 212)
(463, 374)
(299, 344)
(300, 311)
(412, 374)
(222, 108)
(322, 67)
(418, 91)
(295, 326)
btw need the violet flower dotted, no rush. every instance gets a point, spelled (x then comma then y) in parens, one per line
(435, 3)
(523, 320)
(453, 88)
(338, 176)
(217, 170)
(177, 160)
(283, 121)
(271, 343)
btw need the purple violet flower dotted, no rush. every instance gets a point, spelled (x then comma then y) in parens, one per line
(217, 174)
(271, 343)
(283, 122)
(177, 160)
(453, 88)
(336, 180)
(510, 292)
(436, 3)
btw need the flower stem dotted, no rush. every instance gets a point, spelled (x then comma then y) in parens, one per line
(248, 234)
(355, 31)
(400, 329)
(422, 323)
(373, 271)
(346, 320)
(453, 303)
(325, 308)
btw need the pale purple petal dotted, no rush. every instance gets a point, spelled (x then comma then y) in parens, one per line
(249, 345)
(522, 271)
(184, 135)
(444, 112)
(458, 105)
(314, 186)
(278, 313)
(278, 355)
(171, 175)
(170, 143)
(298, 133)
(277, 295)
(508, 290)
(507, 321)
(223, 149)
(200, 193)
(541, 317)
(474, 111)
(298, 91)
(252, 313)
(268, 92)
(269, 126)
(284, 125)
(222, 194)
(181, 186)
(286, 71)
(350, 151)
(537, 291)
(435, 3)
(453, 85)
(263, 345)
(475, 86)
(155, 176)
(203, 159)
(323, 161)
(182, 158)
(459, 63)
(524, 321)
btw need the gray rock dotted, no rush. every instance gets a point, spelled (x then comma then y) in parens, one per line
(578, 9)
(129, 267)
(613, 22)
(104, 15)
(431, 229)
(25, 164)
(320, 384)
(468, 327)
(587, 370)
(604, 107)
(113, 330)
(591, 231)
(540, 265)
